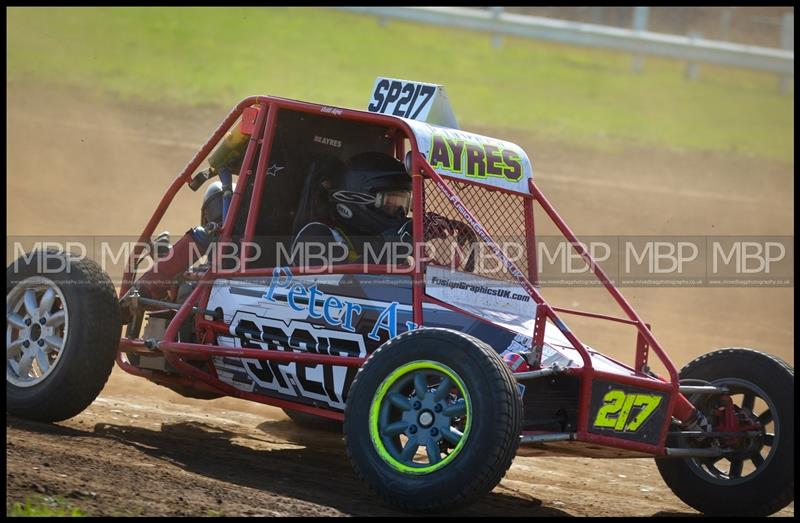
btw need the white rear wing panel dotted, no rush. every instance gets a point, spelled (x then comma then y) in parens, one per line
(473, 157)
(450, 151)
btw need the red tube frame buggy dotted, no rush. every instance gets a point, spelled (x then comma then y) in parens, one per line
(262, 132)
(64, 318)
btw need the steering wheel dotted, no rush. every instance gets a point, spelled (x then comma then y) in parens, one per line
(437, 226)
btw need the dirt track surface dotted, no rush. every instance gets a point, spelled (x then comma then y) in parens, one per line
(162, 458)
(142, 449)
(159, 457)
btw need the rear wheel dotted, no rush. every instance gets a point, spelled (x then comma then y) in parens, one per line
(432, 420)
(757, 477)
(62, 334)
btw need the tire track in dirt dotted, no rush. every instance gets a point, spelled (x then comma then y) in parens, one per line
(173, 462)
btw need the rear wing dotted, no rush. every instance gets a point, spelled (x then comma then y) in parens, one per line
(451, 152)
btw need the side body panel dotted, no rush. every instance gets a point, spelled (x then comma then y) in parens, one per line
(343, 315)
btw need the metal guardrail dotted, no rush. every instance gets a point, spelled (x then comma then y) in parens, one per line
(640, 42)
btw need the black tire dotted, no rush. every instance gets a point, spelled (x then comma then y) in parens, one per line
(765, 488)
(492, 438)
(309, 421)
(89, 346)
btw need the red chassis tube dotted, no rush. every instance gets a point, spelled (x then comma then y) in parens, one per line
(268, 108)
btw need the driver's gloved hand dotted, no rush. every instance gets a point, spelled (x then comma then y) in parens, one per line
(436, 226)
(464, 233)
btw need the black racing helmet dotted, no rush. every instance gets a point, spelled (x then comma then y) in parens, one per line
(211, 211)
(373, 194)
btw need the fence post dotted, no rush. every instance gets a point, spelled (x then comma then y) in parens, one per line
(497, 40)
(639, 24)
(693, 68)
(787, 42)
(726, 16)
(598, 15)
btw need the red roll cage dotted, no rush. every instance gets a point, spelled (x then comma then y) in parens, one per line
(177, 353)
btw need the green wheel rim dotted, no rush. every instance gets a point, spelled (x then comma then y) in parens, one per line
(416, 402)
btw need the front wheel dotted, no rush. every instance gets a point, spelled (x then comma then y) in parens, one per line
(62, 334)
(756, 478)
(432, 420)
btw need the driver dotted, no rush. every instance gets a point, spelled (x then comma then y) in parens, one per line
(368, 202)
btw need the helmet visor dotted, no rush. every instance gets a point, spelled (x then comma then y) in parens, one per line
(394, 203)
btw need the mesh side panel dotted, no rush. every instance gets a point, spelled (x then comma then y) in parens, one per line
(449, 239)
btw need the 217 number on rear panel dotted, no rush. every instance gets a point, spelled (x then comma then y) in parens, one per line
(627, 412)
